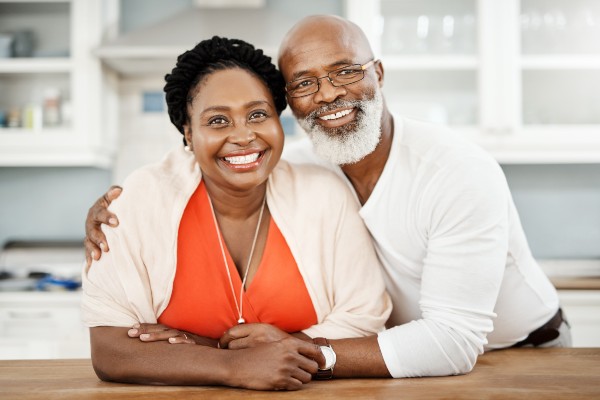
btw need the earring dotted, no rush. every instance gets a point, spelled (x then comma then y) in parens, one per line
(187, 148)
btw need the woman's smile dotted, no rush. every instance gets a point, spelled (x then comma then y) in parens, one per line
(247, 161)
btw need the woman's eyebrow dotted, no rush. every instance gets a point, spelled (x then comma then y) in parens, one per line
(227, 108)
(256, 103)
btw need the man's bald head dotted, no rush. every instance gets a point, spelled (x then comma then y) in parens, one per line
(317, 30)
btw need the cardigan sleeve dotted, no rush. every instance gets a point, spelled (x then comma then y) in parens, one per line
(115, 290)
(319, 219)
(133, 281)
(116, 287)
(359, 304)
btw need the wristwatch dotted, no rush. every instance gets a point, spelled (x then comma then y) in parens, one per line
(330, 358)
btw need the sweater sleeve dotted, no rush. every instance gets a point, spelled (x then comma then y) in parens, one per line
(116, 290)
(464, 215)
(319, 219)
(129, 283)
(113, 289)
(352, 295)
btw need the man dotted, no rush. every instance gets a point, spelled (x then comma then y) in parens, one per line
(457, 264)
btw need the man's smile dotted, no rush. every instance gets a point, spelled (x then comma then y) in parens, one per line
(335, 119)
(336, 115)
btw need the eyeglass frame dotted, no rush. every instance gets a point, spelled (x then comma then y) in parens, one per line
(363, 67)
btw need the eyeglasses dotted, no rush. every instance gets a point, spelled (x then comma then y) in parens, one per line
(340, 77)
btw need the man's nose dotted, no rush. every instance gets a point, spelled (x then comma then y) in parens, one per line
(327, 92)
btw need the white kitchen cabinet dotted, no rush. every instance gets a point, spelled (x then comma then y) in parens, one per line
(582, 310)
(57, 103)
(42, 325)
(519, 77)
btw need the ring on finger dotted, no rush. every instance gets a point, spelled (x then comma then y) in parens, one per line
(185, 336)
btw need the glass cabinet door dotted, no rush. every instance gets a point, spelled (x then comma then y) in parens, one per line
(429, 52)
(430, 26)
(519, 77)
(560, 62)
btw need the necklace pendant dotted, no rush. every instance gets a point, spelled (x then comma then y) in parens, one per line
(241, 321)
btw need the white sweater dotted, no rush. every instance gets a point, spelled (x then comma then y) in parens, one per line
(457, 264)
(313, 210)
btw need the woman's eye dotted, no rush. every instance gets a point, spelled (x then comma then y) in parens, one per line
(218, 121)
(258, 116)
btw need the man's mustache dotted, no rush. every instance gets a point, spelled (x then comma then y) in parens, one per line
(312, 116)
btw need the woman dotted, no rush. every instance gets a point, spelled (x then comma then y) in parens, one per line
(222, 233)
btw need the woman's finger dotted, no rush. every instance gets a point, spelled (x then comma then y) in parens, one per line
(184, 338)
(150, 328)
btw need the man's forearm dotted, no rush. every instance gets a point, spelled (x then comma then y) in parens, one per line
(359, 358)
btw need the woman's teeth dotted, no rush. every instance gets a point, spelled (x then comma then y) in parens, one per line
(337, 115)
(247, 159)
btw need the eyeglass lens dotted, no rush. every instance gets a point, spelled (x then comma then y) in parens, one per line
(339, 77)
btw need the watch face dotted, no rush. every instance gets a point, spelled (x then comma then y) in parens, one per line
(329, 356)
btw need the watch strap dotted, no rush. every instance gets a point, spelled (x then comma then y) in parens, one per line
(323, 373)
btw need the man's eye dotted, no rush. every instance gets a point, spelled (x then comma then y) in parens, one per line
(347, 71)
(303, 84)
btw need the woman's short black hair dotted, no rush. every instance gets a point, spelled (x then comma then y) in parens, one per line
(212, 55)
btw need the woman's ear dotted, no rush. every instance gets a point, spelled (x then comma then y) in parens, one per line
(187, 134)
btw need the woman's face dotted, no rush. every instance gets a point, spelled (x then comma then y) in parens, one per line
(234, 129)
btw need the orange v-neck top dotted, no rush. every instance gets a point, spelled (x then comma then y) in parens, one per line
(202, 301)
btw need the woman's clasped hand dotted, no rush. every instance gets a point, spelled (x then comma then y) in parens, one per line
(238, 337)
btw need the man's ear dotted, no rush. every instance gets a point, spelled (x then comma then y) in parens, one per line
(379, 71)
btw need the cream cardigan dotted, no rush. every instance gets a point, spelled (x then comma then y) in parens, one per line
(314, 211)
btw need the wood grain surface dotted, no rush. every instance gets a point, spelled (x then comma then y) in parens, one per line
(506, 374)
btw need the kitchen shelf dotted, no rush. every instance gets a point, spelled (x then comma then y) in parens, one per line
(560, 62)
(539, 144)
(35, 65)
(432, 62)
(52, 147)
(15, 136)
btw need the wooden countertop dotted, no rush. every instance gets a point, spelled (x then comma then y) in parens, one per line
(576, 283)
(506, 374)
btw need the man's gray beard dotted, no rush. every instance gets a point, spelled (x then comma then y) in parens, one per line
(352, 142)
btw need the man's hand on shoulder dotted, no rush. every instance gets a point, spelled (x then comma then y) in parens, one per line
(95, 241)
